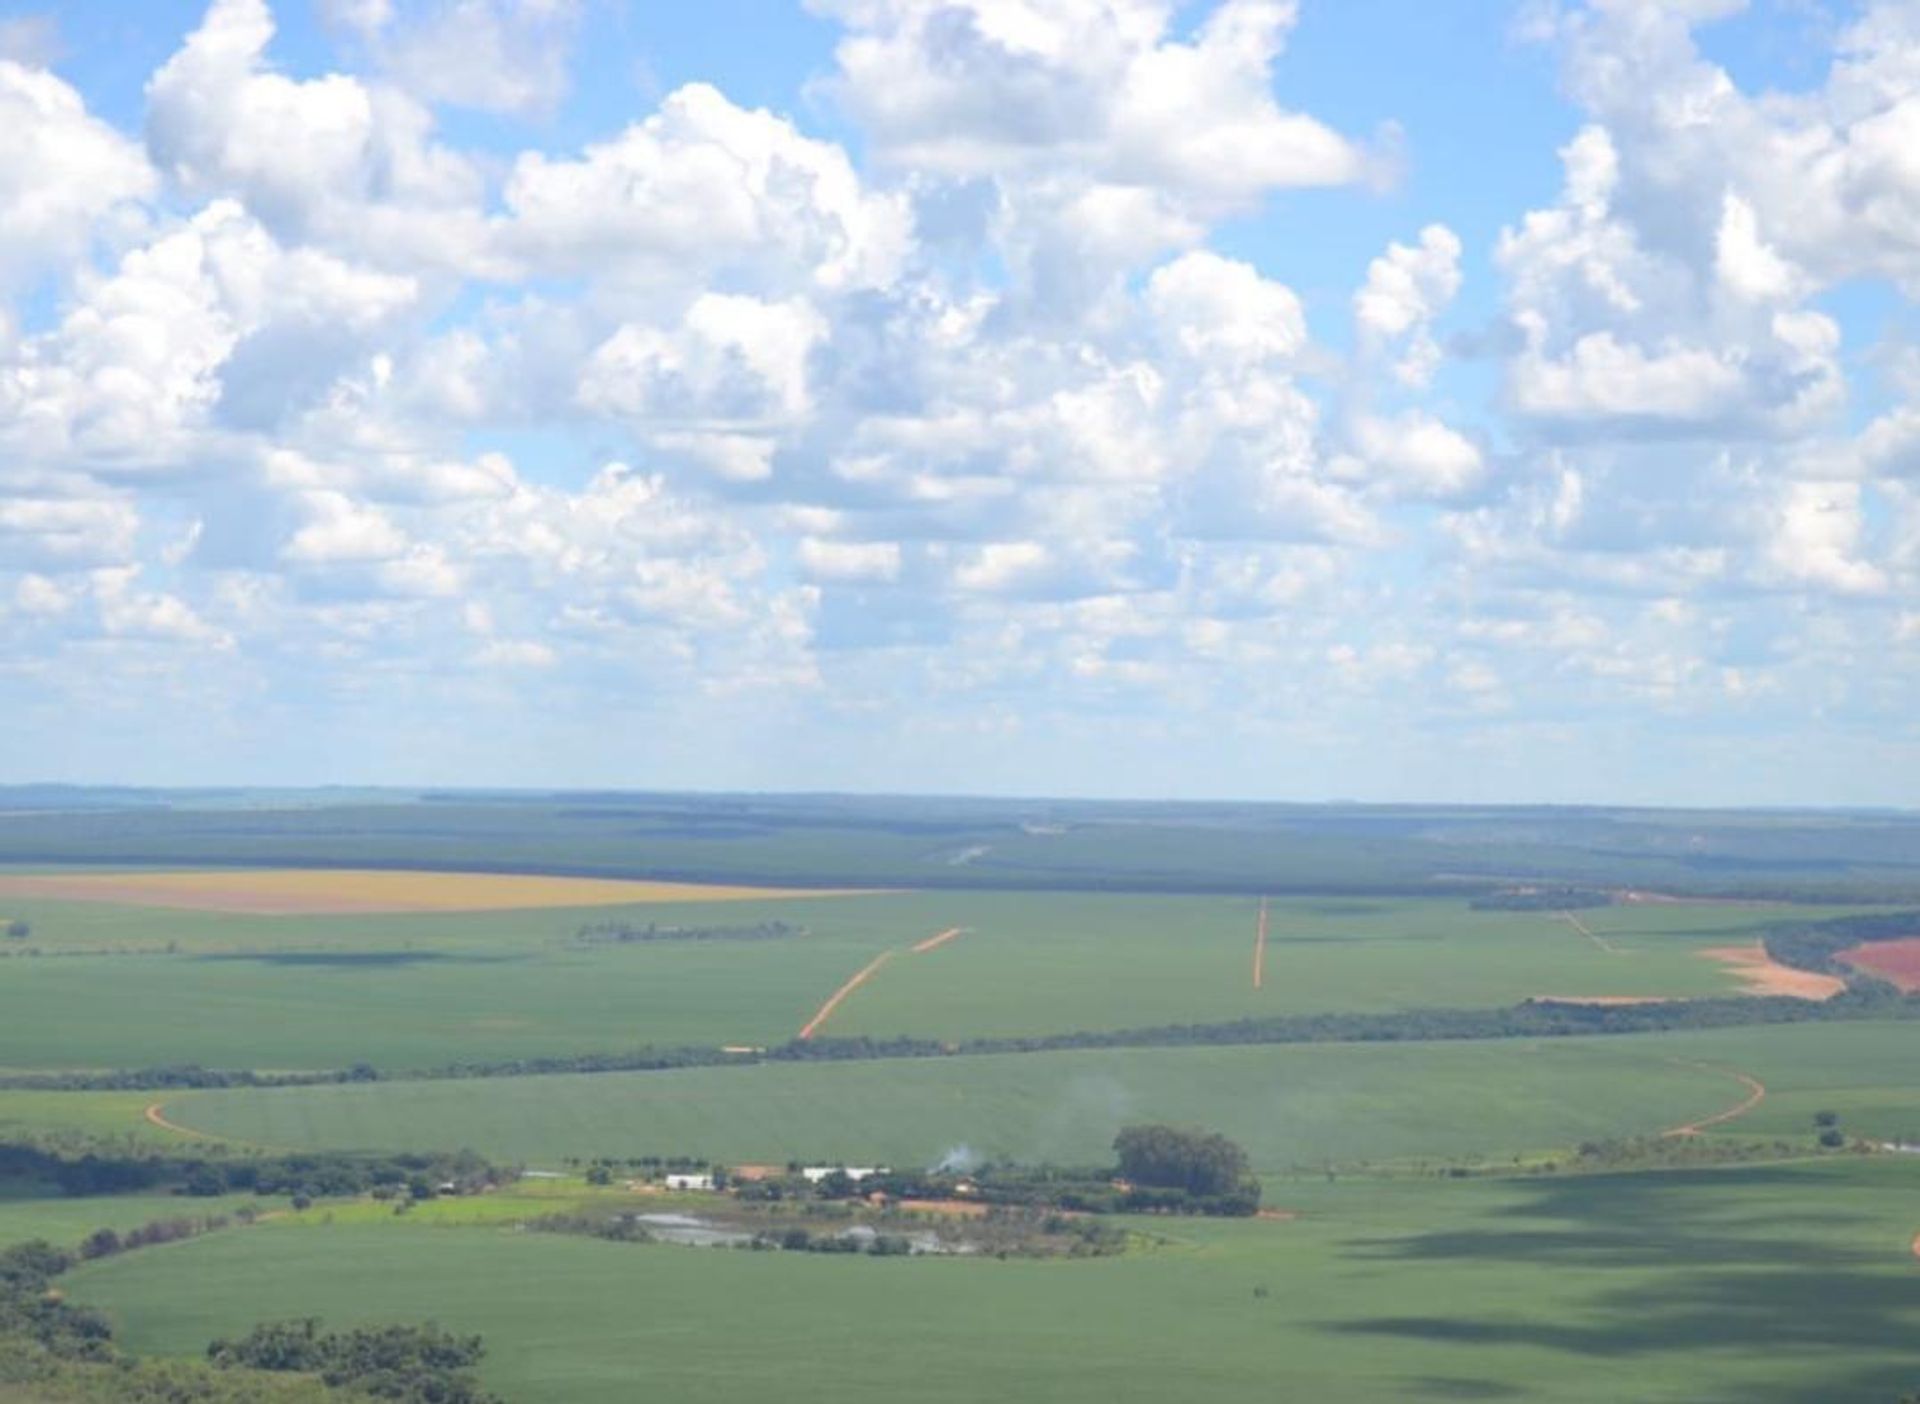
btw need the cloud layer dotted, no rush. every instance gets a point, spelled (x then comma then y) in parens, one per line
(962, 451)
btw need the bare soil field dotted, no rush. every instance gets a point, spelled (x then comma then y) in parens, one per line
(1761, 974)
(327, 892)
(1898, 961)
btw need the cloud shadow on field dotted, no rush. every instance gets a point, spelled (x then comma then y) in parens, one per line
(1717, 1261)
(354, 960)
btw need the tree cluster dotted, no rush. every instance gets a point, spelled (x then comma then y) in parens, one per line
(413, 1364)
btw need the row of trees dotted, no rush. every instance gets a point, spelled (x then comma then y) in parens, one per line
(307, 1174)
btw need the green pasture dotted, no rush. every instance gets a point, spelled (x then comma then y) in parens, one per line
(43, 1212)
(1761, 1285)
(419, 991)
(1299, 1106)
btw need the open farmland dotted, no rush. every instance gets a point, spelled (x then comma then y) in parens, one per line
(1300, 1106)
(412, 990)
(1717, 1285)
(1430, 1249)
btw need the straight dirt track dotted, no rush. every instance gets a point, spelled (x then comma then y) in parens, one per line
(1260, 947)
(861, 976)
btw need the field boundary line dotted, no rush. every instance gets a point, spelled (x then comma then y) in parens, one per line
(1756, 1094)
(1588, 932)
(860, 977)
(935, 942)
(1260, 947)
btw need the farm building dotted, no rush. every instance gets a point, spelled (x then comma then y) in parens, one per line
(689, 1182)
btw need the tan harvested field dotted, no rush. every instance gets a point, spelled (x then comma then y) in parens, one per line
(1761, 974)
(1898, 961)
(345, 891)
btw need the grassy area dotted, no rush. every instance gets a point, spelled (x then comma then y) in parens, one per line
(419, 991)
(64, 1222)
(1290, 1106)
(1763, 1285)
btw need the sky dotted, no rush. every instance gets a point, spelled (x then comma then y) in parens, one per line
(1497, 400)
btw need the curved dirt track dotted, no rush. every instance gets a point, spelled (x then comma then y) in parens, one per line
(1756, 1094)
(154, 1118)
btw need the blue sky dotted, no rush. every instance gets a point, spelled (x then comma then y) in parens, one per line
(1480, 401)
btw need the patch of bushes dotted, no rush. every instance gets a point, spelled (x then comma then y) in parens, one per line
(414, 1364)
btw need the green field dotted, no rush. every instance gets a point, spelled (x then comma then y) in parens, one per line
(1291, 1106)
(420, 991)
(1757, 1284)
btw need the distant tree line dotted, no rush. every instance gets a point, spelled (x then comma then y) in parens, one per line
(309, 1175)
(1542, 899)
(628, 933)
(180, 1076)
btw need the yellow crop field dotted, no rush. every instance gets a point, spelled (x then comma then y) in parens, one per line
(320, 891)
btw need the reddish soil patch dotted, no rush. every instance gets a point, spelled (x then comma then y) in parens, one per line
(1898, 961)
(758, 1172)
(1761, 974)
(1278, 1215)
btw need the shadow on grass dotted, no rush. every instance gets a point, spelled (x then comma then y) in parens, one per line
(1762, 1262)
(354, 960)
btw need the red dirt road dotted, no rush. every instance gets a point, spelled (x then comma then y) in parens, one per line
(1756, 1094)
(1260, 947)
(860, 978)
(934, 942)
(154, 1117)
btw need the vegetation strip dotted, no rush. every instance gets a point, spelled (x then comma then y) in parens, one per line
(833, 1001)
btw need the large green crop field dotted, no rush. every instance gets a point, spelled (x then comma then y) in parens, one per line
(417, 991)
(1292, 1106)
(1767, 1284)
